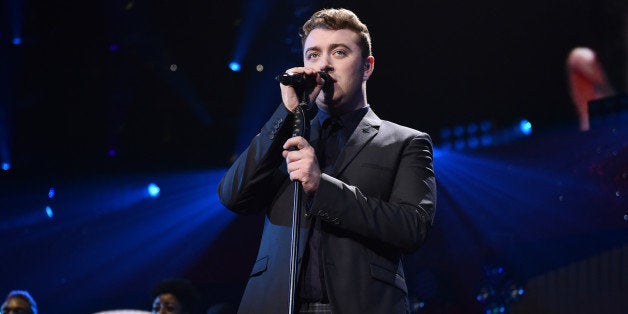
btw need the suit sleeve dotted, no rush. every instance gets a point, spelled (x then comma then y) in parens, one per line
(403, 219)
(251, 182)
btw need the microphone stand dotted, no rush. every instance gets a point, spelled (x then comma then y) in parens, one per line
(298, 128)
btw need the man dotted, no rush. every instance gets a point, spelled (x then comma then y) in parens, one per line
(175, 296)
(369, 187)
(19, 302)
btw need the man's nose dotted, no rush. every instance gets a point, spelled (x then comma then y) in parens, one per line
(325, 63)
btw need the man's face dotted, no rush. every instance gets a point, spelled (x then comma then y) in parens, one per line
(167, 304)
(338, 52)
(16, 306)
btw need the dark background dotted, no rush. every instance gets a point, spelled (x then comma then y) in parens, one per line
(438, 64)
(91, 106)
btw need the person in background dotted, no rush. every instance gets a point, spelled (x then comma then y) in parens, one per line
(175, 296)
(19, 302)
(587, 81)
(597, 66)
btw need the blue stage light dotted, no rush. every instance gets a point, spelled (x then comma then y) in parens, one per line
(49, 212)
(525, 127)
(234, 66)
(487, 140)
(473, 142)
(51, 193)
(459, 144)
(486, 125)
(17, 41)
(153, 190)
(6, 166)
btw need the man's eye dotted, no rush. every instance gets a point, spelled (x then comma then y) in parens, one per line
(340, 53)
(312, 55)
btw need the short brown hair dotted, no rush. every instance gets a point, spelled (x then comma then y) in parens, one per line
(335, 19)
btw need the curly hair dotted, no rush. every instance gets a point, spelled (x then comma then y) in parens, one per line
(336, 19)
(185, 292)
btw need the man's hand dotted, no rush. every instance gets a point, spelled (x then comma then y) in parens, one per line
(302, 163)
(288, 93)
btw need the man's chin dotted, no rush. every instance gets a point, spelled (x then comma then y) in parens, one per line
(328, 100)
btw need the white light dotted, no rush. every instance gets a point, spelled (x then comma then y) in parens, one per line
(49, 212)
(153, 190)
(525, 127)
(235, 66)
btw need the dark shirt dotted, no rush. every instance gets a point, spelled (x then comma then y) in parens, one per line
(334, 133)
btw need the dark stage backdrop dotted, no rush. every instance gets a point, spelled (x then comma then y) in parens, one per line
(100, 98)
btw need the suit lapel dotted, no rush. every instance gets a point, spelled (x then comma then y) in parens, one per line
(363, 133)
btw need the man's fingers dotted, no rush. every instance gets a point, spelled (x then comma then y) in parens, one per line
(298, 141)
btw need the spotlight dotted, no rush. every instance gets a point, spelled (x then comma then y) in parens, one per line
(473, 142)
(487, 140)
(459, 144)
(153, 190)
(51, 193)
(6, 166)
(234, 66)
(17, 41)
(49, 212)
(525, 127)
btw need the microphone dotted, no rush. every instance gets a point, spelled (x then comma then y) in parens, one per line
(300, 80)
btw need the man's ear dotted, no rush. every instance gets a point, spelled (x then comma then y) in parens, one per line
(369, 66)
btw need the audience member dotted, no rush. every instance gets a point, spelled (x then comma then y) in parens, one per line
(19, 302)
(175, 296)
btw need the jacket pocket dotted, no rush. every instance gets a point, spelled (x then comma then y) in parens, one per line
(390, 277)
(260, 266)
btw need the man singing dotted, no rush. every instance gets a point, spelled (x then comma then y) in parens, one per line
(369, 186)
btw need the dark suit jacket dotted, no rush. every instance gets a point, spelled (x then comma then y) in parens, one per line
(378, 205)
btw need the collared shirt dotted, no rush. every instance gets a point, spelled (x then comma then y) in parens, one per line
(312, 287)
